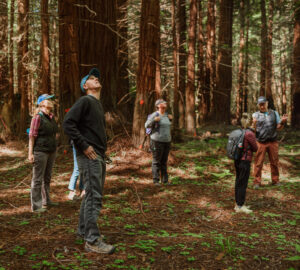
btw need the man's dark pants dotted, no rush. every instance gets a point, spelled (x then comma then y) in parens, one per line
(242, 168)
(160, 153)
(93, 177)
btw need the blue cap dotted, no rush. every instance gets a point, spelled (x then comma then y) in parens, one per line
(261, 100)
(43, 97)
(95, 72)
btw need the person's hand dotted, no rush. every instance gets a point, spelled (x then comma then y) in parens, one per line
(284, 118)
(90, 153)
(254, 121)
(31, 158)
(170, 116)
(157, 119)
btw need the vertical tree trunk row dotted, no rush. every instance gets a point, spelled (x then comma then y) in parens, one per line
(264, 46)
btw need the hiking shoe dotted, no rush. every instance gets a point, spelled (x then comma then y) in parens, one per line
(40, 210)
(72, 195)
(99, 247)
(256, 186)
(242, 209)
(156, 183)
(276, 184)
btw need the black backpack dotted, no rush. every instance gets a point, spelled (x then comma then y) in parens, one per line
(235, 144)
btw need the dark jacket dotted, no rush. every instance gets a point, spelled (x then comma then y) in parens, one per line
(250, 145)
(85, 125)
(266, 126)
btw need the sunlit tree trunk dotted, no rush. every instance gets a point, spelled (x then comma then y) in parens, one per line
(11, 52)
(240, 90)
(190, 88)
(202, 107)
(264, 47)
(210, 59)
(246, 84)
(4, 50)
(269, 69)
(296, 68)
(45, 84)
(23, 9)
(148, 82)
(175, 60)
(221, 98)
(181, 37)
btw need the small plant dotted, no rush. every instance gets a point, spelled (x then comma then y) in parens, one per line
(146, 245)
(19, 250)
(167, 249)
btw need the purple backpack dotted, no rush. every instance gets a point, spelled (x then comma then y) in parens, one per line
(155, 126)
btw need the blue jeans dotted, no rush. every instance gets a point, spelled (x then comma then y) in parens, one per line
(75, 174)
(93, 176)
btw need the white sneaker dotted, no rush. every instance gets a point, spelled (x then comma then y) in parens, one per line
(242, 209)
(72, 195)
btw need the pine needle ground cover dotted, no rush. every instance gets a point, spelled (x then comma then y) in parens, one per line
(189, 224)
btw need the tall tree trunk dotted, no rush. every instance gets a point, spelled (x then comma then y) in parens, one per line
(148, 88)
(269, 73)
(45, 83)
(123, 76)
(296, 68)
(69, 80)
(175, 60)
(190, 88)
(221, 98)
(98, 29)
(23, 9)
(264, 48)
(182, 59)
(202, 107)
(246, 84)
(11, 52)
(240, 90)
(4, 90)
(210, 59)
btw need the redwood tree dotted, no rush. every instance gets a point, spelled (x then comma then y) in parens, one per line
(148, 77)
(45, 85)
(190, 88)
(264, 46)
(23, 9)
(221, 97)
(3, 50)
(181, 37)
(296, 68)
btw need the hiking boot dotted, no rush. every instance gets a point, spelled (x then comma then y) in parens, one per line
(242, 209)
(256, 186)
(50, 204)
(156, 183)
(72, 195)
(40, 210)
(99, 247)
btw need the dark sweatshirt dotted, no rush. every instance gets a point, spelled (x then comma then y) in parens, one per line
(85, 125)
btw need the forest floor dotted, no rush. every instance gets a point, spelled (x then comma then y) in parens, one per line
(189, 224)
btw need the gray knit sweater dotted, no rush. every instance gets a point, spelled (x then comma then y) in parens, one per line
(163, 134)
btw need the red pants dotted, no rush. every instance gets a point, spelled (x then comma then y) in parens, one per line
(272, 149)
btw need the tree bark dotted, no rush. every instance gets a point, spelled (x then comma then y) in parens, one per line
(4, 90)
(45, 83)
(181, 7)
(175, 60)
(11, 52)
(296, 68)
(98, 45)
(210, 60)
(148, 80)
(202, 107)
(246, 84)
(241, 76)
(221, 98)
(23, 9)
(69, 79)
(123, 76)
(190, 89)
(264, 47)
(269, 69)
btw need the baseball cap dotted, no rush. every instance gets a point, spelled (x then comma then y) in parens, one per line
(159, 101)
(261, 100)
(95, 72)
(43, 97)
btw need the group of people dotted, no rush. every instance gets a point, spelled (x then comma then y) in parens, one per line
(84, 123)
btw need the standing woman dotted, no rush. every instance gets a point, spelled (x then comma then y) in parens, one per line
(160, 141)
(42, 151)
